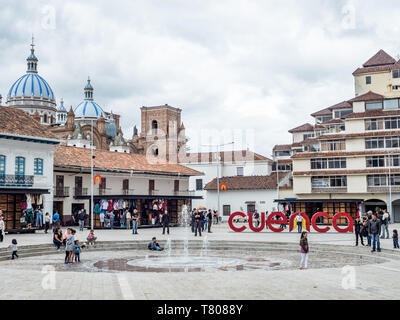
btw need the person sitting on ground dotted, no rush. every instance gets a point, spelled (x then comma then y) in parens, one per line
(57, 238)
(91, 238)
(153, 245)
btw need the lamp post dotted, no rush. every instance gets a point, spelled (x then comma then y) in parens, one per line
(92, 179)
(390, 182)
(218, 163)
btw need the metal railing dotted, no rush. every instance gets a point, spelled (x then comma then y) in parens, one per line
(12, 180)
(80, 192)
(61, 192)
(113, 192)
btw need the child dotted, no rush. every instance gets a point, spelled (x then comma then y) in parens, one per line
(69, 248)
(14, 249)
(395, 239)
(77, 251)
(91, 238)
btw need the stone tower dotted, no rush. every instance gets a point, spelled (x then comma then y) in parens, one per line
(162, 134)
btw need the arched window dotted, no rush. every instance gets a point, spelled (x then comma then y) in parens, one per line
(154, 127)
(45, 118)
(155, 152)
(38, 166)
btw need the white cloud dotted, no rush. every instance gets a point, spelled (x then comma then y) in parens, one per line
(233, 65)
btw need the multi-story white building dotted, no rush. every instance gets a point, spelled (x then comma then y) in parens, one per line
(247, 176)
(26, 165)
(349, 160)
(129, 179)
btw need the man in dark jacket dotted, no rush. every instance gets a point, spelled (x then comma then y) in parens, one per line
(81, 218)
(357, 230)
(374, 229)
(210, 217)
(165, 222)
(197, 220)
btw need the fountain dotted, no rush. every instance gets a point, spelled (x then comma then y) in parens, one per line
(169, 247)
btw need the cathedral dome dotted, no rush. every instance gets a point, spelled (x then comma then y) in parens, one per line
(88, 108)
(31, 86)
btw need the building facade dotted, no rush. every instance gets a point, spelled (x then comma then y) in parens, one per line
(26, 166)
(349, 159)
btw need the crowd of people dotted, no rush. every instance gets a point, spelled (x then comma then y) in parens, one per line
(202, 220)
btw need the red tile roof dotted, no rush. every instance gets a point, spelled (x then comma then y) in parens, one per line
(369, 96)
(17, 122)
(379, 59)
(282, 147)
(328, 111)
(226, 156)
(373, 114)
(303, 128)
(246, 182)
(80, 157)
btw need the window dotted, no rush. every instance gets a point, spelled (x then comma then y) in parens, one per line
(308, 136)
(374, 124)
(125, 184)
(391, 104)
(199, 184)
(341, 113)
(154, 127)
(324, 119)
(392, 123)
(239, 171)
(226, 209)
(375, 162)
(396, 73)
(373, 105)
(337, 163)
(282, 153)
(19, 166)
(333, 145)
(176, 185)
(284, 167)
(376, 180)
(329, 182)
(368, 79)
(374, 143)
(317, 164)
(2, 165)
(392, 142)
(393, 161)
(38, 166)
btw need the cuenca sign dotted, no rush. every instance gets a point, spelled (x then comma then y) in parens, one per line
(272, 222)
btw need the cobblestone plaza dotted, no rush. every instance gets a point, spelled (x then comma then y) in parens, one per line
(267, 268)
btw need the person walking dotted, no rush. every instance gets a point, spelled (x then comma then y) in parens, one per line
(128, 218)
(14, 249)
(112, 216)
(197, 219)
(135, 217)
(2, 228)
(165, 222)
(299, 221)
(304, 249)
(357, 230)
(385, 224)
(395, 239)
(374, 229)
(193, 219)
(210, 218)
(47, 220)
(81, 219)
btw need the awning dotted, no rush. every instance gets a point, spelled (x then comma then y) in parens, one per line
(23, 191)
(318, 200)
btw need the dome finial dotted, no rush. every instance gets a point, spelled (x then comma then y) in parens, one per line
(32, 60)
(88, 91)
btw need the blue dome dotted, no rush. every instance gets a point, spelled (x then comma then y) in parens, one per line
(88, 109)
(31, 84)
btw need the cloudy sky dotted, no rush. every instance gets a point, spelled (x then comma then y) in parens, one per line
(248, 69)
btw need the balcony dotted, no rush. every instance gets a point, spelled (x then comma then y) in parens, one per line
(61, 192)
(330, 190)
(10, 180)
(383, 189)
(80, 192)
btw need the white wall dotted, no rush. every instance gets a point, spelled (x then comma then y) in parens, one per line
(30, 150)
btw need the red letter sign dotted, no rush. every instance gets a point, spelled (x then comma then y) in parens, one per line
(271, 222)
(261, 227)
(349, 220)
(293, 216)
(314, 222)
(230, 221)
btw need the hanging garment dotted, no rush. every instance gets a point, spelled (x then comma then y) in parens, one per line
(115, 205)
(110, 206)
(28, 201)
(96, 208)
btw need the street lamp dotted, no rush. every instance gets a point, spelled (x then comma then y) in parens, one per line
(92, 179)
(390, 181)
(218, 159)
